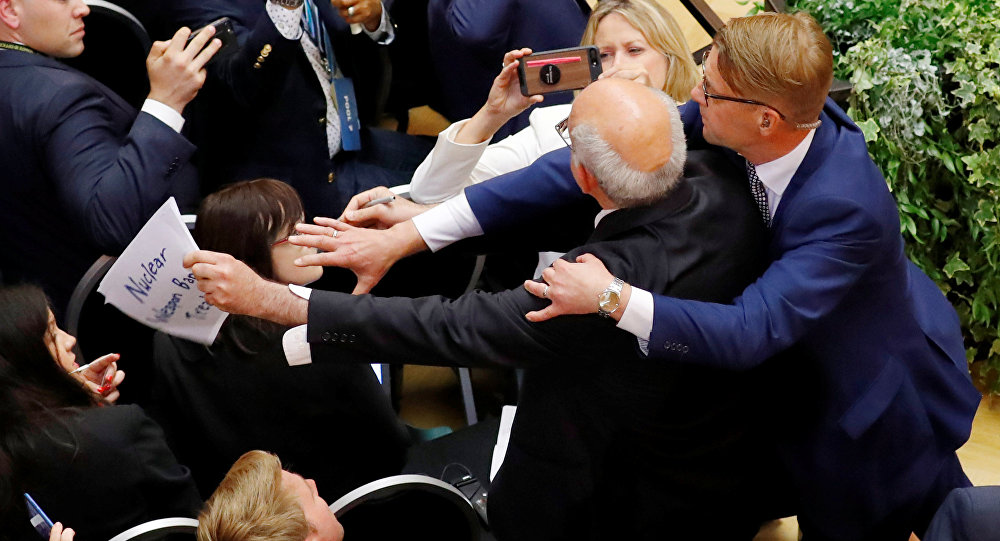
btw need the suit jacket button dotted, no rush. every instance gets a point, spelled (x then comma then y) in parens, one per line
(322, 121)
(326, 336)
(330, 177)
(260, 59)
(266, 49)
(256, 65)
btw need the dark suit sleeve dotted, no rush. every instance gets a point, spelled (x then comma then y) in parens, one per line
(836, 240)
(109, 184)
(541, 197)
(691, 118)
(166, 485)
(249, 82)
(477, 329)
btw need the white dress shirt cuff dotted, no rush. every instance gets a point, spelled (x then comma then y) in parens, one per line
(448, 222)
(294, 341)
(164, 113)
(287, 21)
(385, 33)
(638, 317)
(296, 346)
(300, 291)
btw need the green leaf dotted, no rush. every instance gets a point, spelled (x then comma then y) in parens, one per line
(995, 349)
(870, 128)
(980, 312)
(954, 265)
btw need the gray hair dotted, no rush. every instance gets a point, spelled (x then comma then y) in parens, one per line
(624, 185)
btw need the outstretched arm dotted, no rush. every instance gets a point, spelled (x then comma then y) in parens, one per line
(837, 241)
(233, 287)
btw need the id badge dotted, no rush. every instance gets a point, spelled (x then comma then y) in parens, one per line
(347, 108)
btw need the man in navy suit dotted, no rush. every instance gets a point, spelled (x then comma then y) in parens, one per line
(874, 339)
(276, 108)
(876, 346)
(81, 169)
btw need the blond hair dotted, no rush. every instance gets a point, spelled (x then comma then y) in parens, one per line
(251, 505)
(661, 32)
(783, 60)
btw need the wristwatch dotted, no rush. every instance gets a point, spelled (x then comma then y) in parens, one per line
(288, 4)
(609, 299)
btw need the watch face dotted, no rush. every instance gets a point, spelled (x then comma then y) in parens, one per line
(608, 301)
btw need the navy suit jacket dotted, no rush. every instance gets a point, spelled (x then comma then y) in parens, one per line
(468, 39)
(880, 346)
(968, 514)
(604, 445)
(82, 171)
(268, 118)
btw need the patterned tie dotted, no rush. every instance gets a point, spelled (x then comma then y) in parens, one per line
(759, 194)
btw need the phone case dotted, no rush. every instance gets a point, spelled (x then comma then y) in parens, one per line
(223, 32)
(558, 70)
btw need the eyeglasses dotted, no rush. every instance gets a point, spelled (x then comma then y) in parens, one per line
(562, 128)
(704, 90)
(291, 233)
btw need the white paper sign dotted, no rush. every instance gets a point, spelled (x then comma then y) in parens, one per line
(149, 283)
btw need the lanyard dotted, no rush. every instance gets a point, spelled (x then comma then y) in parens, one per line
(317, 32)
(17, 47)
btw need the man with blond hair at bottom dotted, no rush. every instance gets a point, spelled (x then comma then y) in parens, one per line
(260, 501)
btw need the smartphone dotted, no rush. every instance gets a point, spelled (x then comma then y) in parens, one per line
(224, 32)
(557, 70)
(39, 520)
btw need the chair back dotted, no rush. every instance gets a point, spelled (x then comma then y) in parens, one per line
(164, 528)
(407, 506)
(115, 50)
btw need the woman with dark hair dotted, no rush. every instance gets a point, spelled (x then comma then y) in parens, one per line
(330, 422)
(103, 469)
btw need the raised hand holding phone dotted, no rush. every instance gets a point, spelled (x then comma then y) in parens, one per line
(504, 102)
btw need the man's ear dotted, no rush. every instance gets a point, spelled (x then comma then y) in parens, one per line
(10, 13)
(584, 178)
(768, 121)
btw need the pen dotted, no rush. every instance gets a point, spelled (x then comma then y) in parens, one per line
(82, 368)
(86, 366)
(379, 201)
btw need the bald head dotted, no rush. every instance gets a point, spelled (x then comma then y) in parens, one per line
(629, 136)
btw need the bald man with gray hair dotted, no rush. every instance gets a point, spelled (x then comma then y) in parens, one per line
(604, 445)
(624, 184)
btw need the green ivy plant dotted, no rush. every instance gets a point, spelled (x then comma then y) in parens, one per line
(926, 78)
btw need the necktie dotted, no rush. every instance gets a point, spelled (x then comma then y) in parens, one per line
(759, 194)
